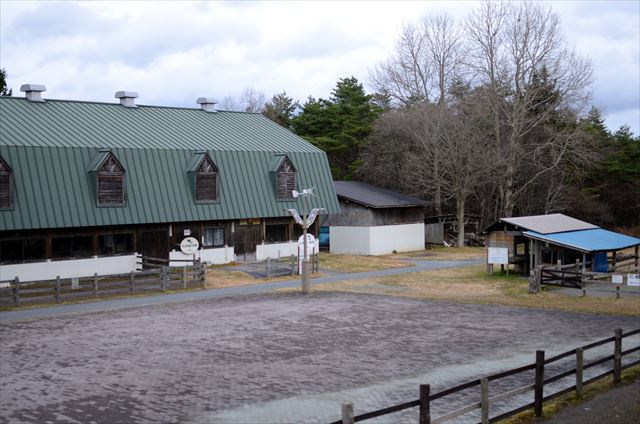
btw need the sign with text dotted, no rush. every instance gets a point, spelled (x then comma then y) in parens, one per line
(633, 280)
(189, 245)
(616, 279)
(311, 244)
(498, 255)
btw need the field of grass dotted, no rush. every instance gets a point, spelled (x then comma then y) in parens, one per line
(470, 284)
(353, 263)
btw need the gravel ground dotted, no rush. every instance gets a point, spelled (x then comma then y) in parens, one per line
(267, 358)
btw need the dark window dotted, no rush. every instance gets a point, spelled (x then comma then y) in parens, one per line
(276, 233)
(115, 244)
(5, 186)
(111, 183)
(206, 181)
(213, 237)
(71, 247)
(286, 180)
(22, 250)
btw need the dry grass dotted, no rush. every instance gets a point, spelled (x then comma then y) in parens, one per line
(353, 263)
(470, 285)
(446, 253)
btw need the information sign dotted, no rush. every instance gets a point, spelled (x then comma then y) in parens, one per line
(498, 255)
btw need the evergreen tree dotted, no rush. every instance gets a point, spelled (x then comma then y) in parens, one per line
(281, 109)
(340, 125)
(4, 91)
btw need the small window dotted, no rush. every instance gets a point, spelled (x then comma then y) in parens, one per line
(115, 244)
(213, 237)
(110, 183)
(286, 180)
(277, 233)
(22, 250)
(206, 181)
(6, 201)
(71, 247)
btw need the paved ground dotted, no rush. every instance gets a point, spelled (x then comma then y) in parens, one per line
(620, 405)
(267, 358)
(107, 305)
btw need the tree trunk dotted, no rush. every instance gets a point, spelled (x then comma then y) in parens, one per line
(460, 207)
(437, 195)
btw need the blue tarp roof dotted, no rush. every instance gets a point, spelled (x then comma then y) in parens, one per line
(596, 240)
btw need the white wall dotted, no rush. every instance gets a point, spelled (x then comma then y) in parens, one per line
(377, 240)
(352, 240)
(48, 270)
(279, 250)
(218, 256)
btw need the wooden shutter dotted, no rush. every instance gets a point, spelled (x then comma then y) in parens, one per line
(206, 181)
(5, 186)
(110, 183)
(286, 180)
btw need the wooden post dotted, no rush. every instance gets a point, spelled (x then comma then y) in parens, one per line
(558, 264)
(584, 263)
(95, 284)
(579, 365)
(347, 413)
(484, 400)
(58, 289)
(539, 383)
(577, 265)
(425, 407)
(268, 267)
(617, 355)
(132, 279)
(618, 291)
(16, 290)
(163, 278)
(637, 255)
(204, 276)
(613, 262)
(184, 275)
(293, 264)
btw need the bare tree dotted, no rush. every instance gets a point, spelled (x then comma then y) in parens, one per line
(252, 100)
(513, 44)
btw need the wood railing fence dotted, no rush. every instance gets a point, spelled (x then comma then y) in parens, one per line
(425, 400)
(15, 292)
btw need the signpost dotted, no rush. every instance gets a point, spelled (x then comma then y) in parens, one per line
(499, 256)
(633, 280)
(305, 222)
(189, 245)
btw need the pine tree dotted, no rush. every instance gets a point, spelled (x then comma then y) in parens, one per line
(4, 91)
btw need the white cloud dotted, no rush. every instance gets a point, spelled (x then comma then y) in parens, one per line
(173, 52)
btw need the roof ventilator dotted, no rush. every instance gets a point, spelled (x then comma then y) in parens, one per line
(207, 104)
(127, 98)
(33, 92)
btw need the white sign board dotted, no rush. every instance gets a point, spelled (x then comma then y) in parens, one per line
(616, 279)
(311, 244)
(189, 245)
(498, 255)
(633, 280)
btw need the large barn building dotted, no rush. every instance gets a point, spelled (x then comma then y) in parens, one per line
(85, 185)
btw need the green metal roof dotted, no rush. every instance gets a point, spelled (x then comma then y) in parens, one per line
(51, 146)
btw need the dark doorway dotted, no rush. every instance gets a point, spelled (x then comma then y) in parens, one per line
(245, 241)
(155, 244)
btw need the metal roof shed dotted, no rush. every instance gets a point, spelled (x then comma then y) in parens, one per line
(588, 241)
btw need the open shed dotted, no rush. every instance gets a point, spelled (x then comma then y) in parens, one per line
(557, 238)
(375, 221)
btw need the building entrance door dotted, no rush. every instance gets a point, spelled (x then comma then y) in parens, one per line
(245, 241)
(155, 244)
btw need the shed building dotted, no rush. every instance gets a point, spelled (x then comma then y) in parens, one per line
(375, 221)
(547, 239)
(86, 185)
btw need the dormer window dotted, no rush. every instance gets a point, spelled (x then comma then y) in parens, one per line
(285, 179)
(110, 180)
(6, 195)
(206, 181)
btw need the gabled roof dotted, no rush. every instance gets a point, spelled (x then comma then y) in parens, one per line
(592, 240)
(545, 224)
(52, 145)
(374, 197)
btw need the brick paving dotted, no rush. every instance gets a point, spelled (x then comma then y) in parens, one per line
(266, 357)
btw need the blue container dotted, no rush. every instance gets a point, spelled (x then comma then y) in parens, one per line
(600, 262)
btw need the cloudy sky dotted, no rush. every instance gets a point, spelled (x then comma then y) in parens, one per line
(173, 52)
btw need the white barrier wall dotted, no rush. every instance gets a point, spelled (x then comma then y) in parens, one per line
(278, 250)
(217, 256)
(378, 240)
(37, 271)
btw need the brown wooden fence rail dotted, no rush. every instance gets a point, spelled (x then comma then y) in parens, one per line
(15, 292)
(425, 400)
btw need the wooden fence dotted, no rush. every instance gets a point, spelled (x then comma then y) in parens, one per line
(15, 292)
(425, 400)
